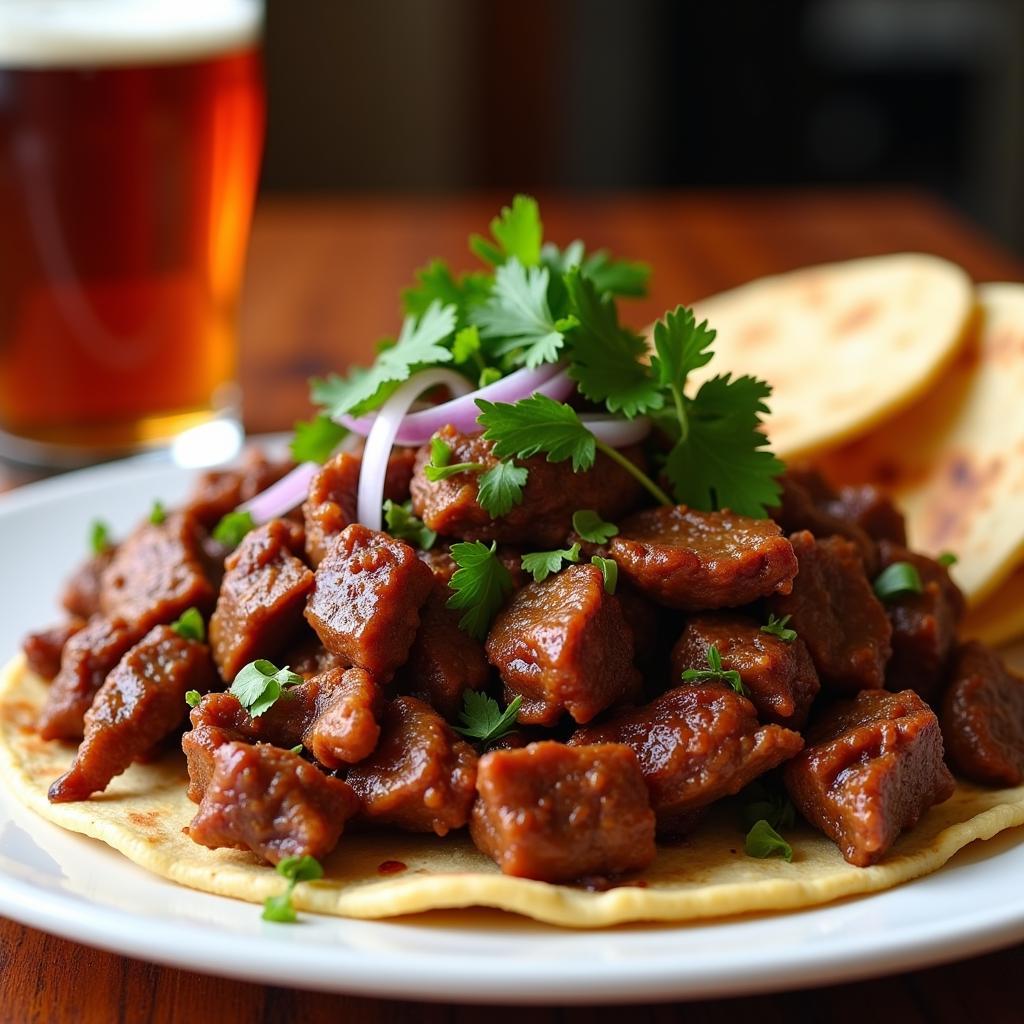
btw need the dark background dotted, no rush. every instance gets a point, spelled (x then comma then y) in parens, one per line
(443, 95)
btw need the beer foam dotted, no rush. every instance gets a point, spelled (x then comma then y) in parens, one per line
(75, 33)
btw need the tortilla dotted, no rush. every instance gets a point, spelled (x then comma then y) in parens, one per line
(844, 345)
(143, 813)
(1000, 617)
(954, 462)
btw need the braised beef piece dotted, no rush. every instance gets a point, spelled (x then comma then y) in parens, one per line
(983, 718)
(872, 766)
(834, 611)
(872, 510)
(421, 777)
(698, 560)
(344, 729)
(43, 650)
(443, 566)
(779, 676)
(652, 624)
(141, 702)
(271, 801)
(366, 598)
(923, 625)
(331, 503)
(261, 597)
(553, 492)
(81, 595)
(220, 491)
(87, 658)
(558, 813)
(564, 645)
(695, 744)
(158, 573)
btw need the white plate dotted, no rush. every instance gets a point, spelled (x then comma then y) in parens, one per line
(80, 889)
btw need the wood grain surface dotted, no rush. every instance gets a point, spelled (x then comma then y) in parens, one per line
(323, 282)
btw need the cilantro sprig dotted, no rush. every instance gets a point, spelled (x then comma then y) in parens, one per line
(779, 627)
(765, 811)
(232, 528)
(592, 528)
(99, 537)
(259, 685)
(541, 564)
(715, 673)
(316, 439)
(480, 585)
(190, 626)
(482, 718)
(296, 869)
(400, 522)
(762, 841)
(609, 570)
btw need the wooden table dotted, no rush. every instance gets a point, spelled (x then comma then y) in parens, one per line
(323, 284)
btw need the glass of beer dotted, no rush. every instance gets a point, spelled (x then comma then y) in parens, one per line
(130, 140)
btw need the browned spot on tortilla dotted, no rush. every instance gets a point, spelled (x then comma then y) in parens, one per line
(1005, 347)
(857, 317)
(754, 334)
(963, 491)
(813, 292)
(146, 820)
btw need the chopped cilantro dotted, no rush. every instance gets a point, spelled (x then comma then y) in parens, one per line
(501, 488)
(436, 283)
(518, 232)
(466, 345)
(763, 841)
(592, 528)
(297, 749)
(480, 585)
(260, 683)
(948, 559)
(316, 439)
(616, 277)
(296, 869)
(540, 564)
(609, 570)
(714, 673)
(901, 579)
(482, 717)
(192, 698)
(99, 537)
(537, 424)
(232, 528)
(777, 627)
(157, 514)
(401, 523)
(190, 625)
(441, 466)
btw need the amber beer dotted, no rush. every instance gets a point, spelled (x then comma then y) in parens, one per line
(130, 140)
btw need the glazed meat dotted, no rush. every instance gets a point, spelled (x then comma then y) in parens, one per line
(695, 744)
(564, 645)
(983, 718)
(780, 676)
(141, 702)
(923, 625)
(873, 765)
(81, 595)
(157, 573)
(348, 706)
(87, 658)
(558, 813)
(366, 599)
(43, 650)
(270, 801)
(835, 612)
(698, 560)
(261, 597)
(553, 492)
(872, 510)
(219, 492)
(421, 777)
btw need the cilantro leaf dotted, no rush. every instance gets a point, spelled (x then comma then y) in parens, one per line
(901, 579)
(682, 345)
(616, 277)
(537, 424)
(192, 698)
(99, 537)
(466, 344)
(517, 314)
(518, 232)
(480, 585)
(763, 841)
(232, 528)
(609, 570)
(482, 717)
(714, 673)
(947, 559)
(542, 563)
(721, 459)
(591, 527)
(297, 749)
(488, 375)
(501, 488)
(260, 683)
(436, 283)
(419, 344)
(401, 523)
(158, 514)
(777, 627)
(190, 625)
(606, 358)
(296, 869)
(316, 439)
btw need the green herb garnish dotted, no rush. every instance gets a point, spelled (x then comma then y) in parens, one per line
(99, 537)
(260, 683)
(609, 570)
(401, 523)
(297, 749)
(441, 466)
(592, 528)
(190, 625)
(948, 559)
(482, 717)
(157, 514)
(480, 585)
(296, 869)
(763, 841)
(316, 439)
(500, 489)
(232, 528)
(768, 802)
(778, 627)
(541, 564)
(517, 232)
(901, 579)
(192, 698)
(715, 673)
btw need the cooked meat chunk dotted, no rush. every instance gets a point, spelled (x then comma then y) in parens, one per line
(698, 560)
(558, 813)
(270, 801)
(141, 701)
(872, 510)
(983, 718)
(553, 492)
(421, 777)
(157, 573)
(43, 650)
(87, 658)
(652, 625)
(344, 729)
(564, 645)
(217, 719)
(780, 676)
(219, 492)
(366, 599)
(873, 765)
(835, 612)
(261, 597)
(923, 625)
(81, 595)
(695, 744)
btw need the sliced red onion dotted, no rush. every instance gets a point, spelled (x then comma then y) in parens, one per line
(615, 431)
(461, 412)
(280, 498)
(381, 439)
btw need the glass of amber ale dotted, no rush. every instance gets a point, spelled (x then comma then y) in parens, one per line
(130, 141)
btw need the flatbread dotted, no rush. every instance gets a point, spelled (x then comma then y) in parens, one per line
(954, 462)
(144, 811)
(844, 345)
(1000, 617)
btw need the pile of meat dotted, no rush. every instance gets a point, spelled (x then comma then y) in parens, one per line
(860, 712)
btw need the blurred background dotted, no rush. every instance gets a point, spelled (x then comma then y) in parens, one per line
(605, 94)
